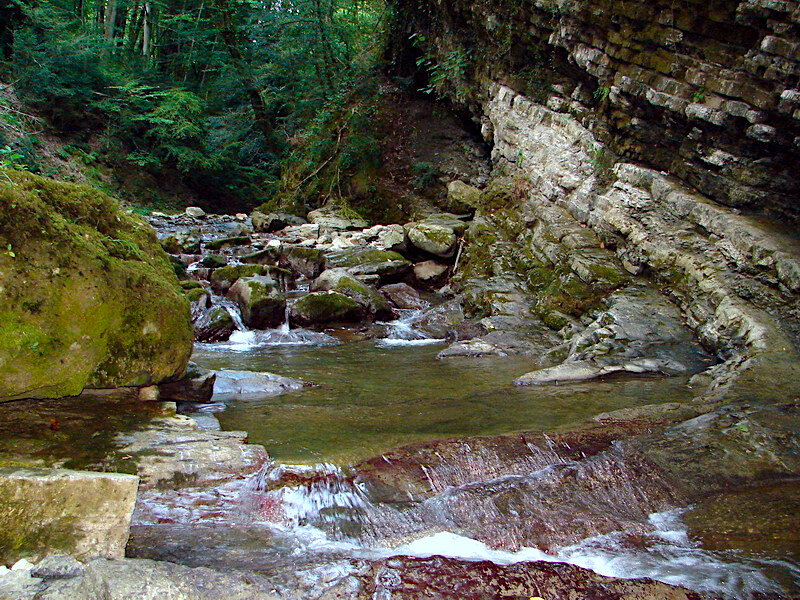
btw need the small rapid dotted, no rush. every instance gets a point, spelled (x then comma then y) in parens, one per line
(402, 331)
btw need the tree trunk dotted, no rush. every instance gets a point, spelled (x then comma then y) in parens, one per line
(111, 18)
(146, 29)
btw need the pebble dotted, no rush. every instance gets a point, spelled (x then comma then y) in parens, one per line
(22, 564)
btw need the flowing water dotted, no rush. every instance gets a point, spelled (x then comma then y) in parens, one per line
(372, 396)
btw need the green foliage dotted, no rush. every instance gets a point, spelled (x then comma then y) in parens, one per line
(602, 162)
(56, 64)
(445, 72)
(699, 95)
(601, 93)
(425, 175)
(222, 95)
(171, 120)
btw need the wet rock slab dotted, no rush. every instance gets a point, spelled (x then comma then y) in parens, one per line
(80, 512)
(397, 578)
(438, 578)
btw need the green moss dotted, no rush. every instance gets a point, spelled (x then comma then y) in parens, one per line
(363, 294)
(265, 256)
(90, 297)
(195, 294)
(234, 272)
(364, 257)
(214, 261)
(326, 307)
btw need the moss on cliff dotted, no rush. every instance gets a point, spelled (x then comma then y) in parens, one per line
(90, 296)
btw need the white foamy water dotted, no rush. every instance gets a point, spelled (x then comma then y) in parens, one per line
(667, 554)
(403, 333)
(670, 558)
(244, 341)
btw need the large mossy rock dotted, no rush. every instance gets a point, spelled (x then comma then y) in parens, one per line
(341, 281)
(81, 513)
(321, 308)
(261, 302)
(89, 296)
(385, 264)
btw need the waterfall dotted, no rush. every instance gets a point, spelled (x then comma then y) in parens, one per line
(233, 311)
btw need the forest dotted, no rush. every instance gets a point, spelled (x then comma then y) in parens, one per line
(222, 99)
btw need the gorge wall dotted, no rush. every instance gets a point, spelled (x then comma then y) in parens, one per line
(631, 141)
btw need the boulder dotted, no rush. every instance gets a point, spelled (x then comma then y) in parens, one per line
(195, 212)
(383, 263)
(320, 308)
(266, 256)
(462, 196)
(438, 321)
(430, 274)
(89, 296)
(243, 385)
(58, 566)
(340, 280)
(215, 324)
(228, 242)
(402, 295)
(308, 262)
(262, 304)
(81, 513)
(181, 243)
(274, 221)
(223, 278)
(436, 234)
(214, 261)
(337, 219)
(142, 579)
(392, 237)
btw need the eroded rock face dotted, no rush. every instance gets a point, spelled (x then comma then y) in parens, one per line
(395, 578)
(90, 298)
(704, 122)
(47, 511)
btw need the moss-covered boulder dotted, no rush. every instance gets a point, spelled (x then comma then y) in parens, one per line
(309, 262)
(274, 221)
(332, 218)
(320, 308)
(213, 324)
(260, 301)
(463, 197)
(437, 234)
(89, 296)
(340, 280)
(214, 261)
(383, 263)
(181, 243)
(222, 279)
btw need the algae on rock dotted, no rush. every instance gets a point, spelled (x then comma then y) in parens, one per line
(90, 298)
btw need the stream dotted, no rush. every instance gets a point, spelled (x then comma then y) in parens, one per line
(309, 508)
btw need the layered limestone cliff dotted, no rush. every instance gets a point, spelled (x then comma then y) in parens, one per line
(636, 146)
